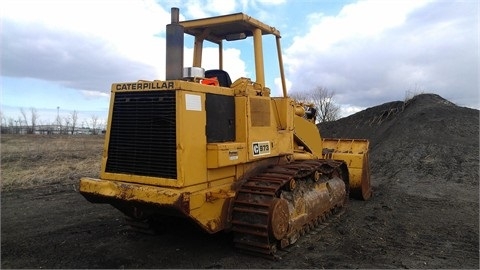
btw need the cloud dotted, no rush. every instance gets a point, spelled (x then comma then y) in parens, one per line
(374, 51)
(74, 43)
(73, 60)
(85, 46)
(99, 17)
(201, 9)
(94, 94)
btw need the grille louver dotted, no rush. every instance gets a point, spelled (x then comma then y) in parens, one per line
(142, 134)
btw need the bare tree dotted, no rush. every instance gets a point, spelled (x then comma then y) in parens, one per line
(24, 116)
(4, 119)
(18, 125)
(4, 124)
(58, 121)
(10, 125)
(67, 121)
(94, 122)
(74, 118)
(322, 99)
(33, 118)
(327, 109)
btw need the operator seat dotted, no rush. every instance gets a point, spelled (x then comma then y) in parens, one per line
(222, 76)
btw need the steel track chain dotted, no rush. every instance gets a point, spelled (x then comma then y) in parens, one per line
(251, 212)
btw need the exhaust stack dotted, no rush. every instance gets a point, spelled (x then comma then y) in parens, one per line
(174, 50)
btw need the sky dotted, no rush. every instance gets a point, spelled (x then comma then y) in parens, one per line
(62, 56)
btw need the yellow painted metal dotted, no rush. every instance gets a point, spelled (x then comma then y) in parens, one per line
(207, 207)
(355, 154)
(197, 52)
(232, 23)
(267, 120)
(280, 63)
(302, 155)
(241, 122)
(258, 50)
(212, 212)
(221, 175)
(191, 139)
(282, 110)
(263, 129)
(245, 87)
(225, 154)
(308, 135)
(104, 189)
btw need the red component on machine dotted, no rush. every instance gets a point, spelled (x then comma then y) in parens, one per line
(210, 81)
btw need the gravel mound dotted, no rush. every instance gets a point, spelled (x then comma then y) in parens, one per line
(426, 139)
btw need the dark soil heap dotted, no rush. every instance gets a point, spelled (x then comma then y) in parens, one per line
(424, 160)
(425, 138)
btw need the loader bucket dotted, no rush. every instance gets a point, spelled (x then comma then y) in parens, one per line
(354, 152)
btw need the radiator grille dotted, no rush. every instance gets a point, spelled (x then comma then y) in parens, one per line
(142, 134)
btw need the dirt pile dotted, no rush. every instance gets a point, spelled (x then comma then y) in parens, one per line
(424, 139)
(424, 159)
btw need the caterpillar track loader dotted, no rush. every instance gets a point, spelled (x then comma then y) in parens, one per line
(223, 154)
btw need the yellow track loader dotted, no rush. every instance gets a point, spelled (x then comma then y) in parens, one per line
(223, 153)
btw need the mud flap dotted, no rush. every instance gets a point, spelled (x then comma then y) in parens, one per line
(354, 152)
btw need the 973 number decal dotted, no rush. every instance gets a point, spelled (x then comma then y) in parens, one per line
(261, 148)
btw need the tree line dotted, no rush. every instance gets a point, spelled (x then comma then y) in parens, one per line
(28, 122)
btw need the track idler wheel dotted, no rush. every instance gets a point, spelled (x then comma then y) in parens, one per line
(279, 218)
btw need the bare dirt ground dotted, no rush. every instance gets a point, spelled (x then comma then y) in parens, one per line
(424, 213)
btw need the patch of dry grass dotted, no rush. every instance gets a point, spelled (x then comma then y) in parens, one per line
(30, 160)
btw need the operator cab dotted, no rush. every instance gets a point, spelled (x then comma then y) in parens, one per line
(231, 27)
